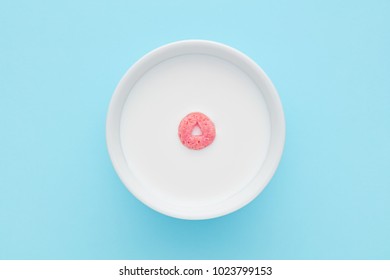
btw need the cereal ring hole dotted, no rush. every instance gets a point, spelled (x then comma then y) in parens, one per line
(196, 131)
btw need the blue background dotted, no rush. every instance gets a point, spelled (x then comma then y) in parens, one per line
(60, 197)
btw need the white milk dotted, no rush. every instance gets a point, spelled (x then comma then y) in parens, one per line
(154, 109)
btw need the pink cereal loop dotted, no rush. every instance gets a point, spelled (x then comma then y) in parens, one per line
(187, 125)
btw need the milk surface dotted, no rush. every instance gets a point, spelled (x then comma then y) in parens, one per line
(149, 130)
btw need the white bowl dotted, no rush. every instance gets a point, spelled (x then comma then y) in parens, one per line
(167, 84)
